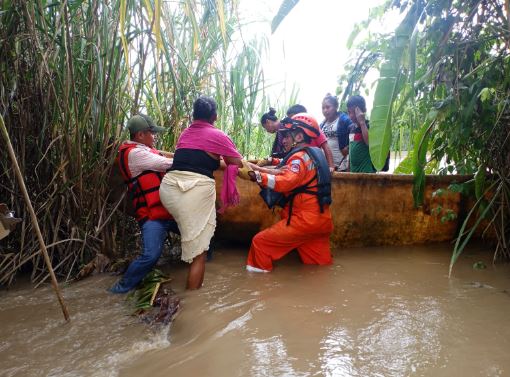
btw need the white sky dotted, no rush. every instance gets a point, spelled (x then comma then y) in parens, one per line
(309, 47)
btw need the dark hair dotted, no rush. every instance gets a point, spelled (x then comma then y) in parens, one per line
(357, 101)
(296, 109)
(307, 139)
(331, 99)
(270, 115)
(204, 108)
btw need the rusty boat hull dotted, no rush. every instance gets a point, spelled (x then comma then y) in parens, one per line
(367, 210)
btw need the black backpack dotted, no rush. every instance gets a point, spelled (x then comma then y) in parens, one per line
(323, 193)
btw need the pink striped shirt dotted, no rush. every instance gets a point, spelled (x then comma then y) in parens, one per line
(141, 158)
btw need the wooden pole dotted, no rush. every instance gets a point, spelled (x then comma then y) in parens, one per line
(35, 223)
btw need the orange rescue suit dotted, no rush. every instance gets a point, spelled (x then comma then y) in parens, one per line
(309, 229)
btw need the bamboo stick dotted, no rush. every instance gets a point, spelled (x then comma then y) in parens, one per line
(35, 223)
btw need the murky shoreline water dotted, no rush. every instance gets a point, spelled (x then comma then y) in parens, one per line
(374, 312)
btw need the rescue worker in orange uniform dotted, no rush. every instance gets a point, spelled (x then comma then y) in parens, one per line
(304, 182)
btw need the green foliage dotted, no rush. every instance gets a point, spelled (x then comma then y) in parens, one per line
(480, 182)
(406, 165)
(419, 157)
(446, 70)
(444, 214)
(354, 79)
(467, 232)
(144, 294)
(450, 215)
(73, 72)
(284, 10)
(389, 85)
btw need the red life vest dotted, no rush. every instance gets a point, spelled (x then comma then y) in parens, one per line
(144, 188)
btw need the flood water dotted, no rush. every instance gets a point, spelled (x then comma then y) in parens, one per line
(375, 312)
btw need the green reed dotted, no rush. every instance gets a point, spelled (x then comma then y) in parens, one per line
(72, 73)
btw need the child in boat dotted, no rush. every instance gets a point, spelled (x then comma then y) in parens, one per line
(359, 154)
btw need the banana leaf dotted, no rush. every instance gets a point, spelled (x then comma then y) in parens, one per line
(388, 87)
(406, 165)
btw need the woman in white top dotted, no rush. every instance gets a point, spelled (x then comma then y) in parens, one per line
(336, 128)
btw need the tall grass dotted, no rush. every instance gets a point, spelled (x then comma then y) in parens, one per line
(72, 73)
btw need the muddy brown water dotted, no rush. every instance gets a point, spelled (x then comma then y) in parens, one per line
(374, 312)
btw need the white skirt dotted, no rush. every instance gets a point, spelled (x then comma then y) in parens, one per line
(190, 198)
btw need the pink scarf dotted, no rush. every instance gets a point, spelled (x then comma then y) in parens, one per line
(204, 136)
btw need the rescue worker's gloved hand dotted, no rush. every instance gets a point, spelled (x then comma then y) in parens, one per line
(243, 172)
(264, 162)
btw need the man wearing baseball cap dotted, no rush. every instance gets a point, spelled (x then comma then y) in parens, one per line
(143, 168)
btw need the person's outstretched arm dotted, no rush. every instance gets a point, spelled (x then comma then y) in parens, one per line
(166, 154)
(233, 161)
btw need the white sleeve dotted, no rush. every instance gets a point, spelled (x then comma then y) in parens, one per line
(140, 160)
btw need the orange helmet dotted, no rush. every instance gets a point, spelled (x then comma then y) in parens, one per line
(305, 122)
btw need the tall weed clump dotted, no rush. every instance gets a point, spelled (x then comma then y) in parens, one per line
(71, 74)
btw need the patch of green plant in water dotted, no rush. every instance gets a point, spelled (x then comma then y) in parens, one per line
(143, 296)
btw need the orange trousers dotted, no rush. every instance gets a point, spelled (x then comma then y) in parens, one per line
(277, 241)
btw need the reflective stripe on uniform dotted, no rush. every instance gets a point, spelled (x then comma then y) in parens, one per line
(271, 181)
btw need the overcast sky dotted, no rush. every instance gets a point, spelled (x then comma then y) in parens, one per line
(309, 47)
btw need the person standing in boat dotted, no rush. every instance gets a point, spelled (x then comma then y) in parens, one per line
(359, 154)
(188, 190)
(271, 124)
(336, 128)
(303, 188)
(143, 167)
